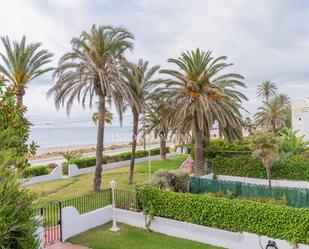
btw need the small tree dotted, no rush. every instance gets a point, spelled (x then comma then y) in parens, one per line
(265, 147)
(17, 223)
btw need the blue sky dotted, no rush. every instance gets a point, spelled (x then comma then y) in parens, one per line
(266, 40)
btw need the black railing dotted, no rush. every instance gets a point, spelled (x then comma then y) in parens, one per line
(125, 199)
(89, 202)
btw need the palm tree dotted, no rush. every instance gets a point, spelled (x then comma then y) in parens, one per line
(91, 70)
(248, 125)
(266, 90)
(108, 117)
(22, 63)
(153, 122)
(200, 93)
(265, 147)
(140, 80)
(273, 114)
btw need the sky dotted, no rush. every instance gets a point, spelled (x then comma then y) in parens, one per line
(265, 39)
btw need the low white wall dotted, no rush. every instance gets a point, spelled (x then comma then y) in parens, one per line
(54, 175)
(73, 170)
(257, 181)
(73, 224)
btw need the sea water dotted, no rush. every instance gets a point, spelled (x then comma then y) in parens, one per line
(47, 136)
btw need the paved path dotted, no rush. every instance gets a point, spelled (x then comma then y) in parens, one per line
(66, 245)
(187, 165)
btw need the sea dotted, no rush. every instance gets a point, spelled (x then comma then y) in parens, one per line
(59, 135)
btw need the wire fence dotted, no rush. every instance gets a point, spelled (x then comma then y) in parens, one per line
(295, 197)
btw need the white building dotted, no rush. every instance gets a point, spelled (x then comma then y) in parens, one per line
(300, 117)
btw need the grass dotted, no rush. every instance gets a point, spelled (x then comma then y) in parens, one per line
(131, 237)
(80, 185)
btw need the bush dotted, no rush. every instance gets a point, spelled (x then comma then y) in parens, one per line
(17, 223)
(91, 161)
(237, 215)
(249, 167)
(35, 171)
(174, 180)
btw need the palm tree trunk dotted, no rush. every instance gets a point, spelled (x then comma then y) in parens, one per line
(100, 144)
(134, 139)
(198, 164)
(273, 127)
(19, 97)
(162, 147)
(268, 176)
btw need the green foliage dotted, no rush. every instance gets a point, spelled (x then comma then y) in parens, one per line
(290, 144)
(90, 161)
(15, 126)
(174, 180)
(70, 155)
(17, 223)
(35, 171)
(220, 147)
(249, 167)
(275, 221)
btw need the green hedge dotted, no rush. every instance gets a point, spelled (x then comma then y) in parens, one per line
(275, 221)
(35, 171)
(91, 161)
(250, 167)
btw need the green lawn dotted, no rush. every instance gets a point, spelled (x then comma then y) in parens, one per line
(81, 185)
(131, 237)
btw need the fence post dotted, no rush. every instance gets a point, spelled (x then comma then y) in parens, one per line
(60, 213)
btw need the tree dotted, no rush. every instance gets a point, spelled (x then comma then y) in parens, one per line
(248, 125)
(153, 122)
(22, 63)
(13, 124)
(273, 113)
(91, 70)
(200, 94)
(108, 117)
(265, 147)
(140, 80)
(266, 90)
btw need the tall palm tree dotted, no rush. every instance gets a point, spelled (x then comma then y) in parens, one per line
(140, 80)
(200, 93)
(108, 117)
(91, 70)
(266, 90)
(273, 114)
(153, 122)
(22, 63)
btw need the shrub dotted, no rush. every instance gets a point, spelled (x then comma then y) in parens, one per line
(236, 215)
(249, 167)
(35, 171)
(91, 161)
(52, 165)
(17, 223)
(174, 180)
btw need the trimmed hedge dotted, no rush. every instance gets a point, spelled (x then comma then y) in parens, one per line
(35, 171)
(275, 221)
(91, 161)
(250, 167)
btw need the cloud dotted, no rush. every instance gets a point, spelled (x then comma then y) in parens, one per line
(266, 40)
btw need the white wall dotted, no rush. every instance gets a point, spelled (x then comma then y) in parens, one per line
(54, 175)
(257, 181)
(300, 117)
(73, 170)
(73, 224)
